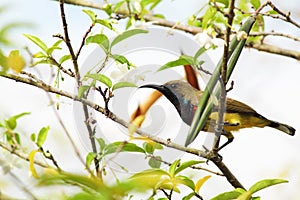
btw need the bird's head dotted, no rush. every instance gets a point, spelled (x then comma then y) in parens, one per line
(177, 92)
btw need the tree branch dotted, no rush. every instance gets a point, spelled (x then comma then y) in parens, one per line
(39, 84)
(194, 30)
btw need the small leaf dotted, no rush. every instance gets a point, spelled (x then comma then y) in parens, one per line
(148, 147)
(101, 143)
(229, 195)
(89, 158)
(40, 55)
(172, 168)
(37, 41)
(245, 196)
(33, 137)
(185, 181)
(122, 85)
(82, 89)
(104, 23)
(255, 3)
(54, 47)
(15, 61)
(199, 53)
(12, 121)
(42, 136)
(64, 58)
(182, 60)
(91, 14)
(102, 78)
(155, 163)
(187, 164)
(121, 59)
(117, 6)
(123, 147)
(99, 39)
(265, 183)
(200, 182)
(31, 163)
(126, 35)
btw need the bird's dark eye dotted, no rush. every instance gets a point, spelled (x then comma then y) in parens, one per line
(173, 85)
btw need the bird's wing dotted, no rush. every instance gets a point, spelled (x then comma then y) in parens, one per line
(233, 106)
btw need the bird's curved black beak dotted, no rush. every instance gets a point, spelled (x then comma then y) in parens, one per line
(160, 88)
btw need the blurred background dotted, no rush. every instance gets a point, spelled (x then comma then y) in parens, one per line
(268, 83)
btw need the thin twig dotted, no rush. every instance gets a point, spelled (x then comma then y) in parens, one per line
(265, 34)
(223, 82)
(68, 41)
(21, 155)
(83, 40)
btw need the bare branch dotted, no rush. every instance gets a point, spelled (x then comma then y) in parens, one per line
(21, 155)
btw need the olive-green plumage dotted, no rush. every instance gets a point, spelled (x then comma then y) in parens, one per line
(238, 115)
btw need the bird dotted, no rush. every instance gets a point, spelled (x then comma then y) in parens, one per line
(238, 115)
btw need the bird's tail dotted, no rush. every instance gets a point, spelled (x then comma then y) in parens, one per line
(283, 127)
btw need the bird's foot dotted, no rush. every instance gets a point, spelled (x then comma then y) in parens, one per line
(212, 155)
(231, 124)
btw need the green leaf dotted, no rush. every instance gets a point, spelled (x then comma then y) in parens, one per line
(17, 138)
(82, 89)
(187, 164)
(265, 183)
(121, 59)
(40, 55)
(227, 195)
(89, 158)
(189, 196)
(224, 2)
(127, 34)
(105, 23)
(199, 53)
(255, 3)
(186, 181)
(37, 41)
(153, 3)
(182, 60)
(208, 17)
(102, 78)
(64, 58)
(91, 14)
(204, 107)
(172, 168)
(123, 147)
(148, 147)
(117, 6)
(99, 39)
(101, 143)
(122, 85)
(33, 137)
(42, 136)
(12, 121)
(54, 47)
(155, 163)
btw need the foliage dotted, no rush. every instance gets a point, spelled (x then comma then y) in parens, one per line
(156, 181)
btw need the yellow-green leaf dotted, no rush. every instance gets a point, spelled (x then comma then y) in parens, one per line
(31, 163)
(15, 61)
(200, 182)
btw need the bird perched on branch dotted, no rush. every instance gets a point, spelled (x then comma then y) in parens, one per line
(238, 115)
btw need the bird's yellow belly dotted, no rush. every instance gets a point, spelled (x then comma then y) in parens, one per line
(235, 121)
